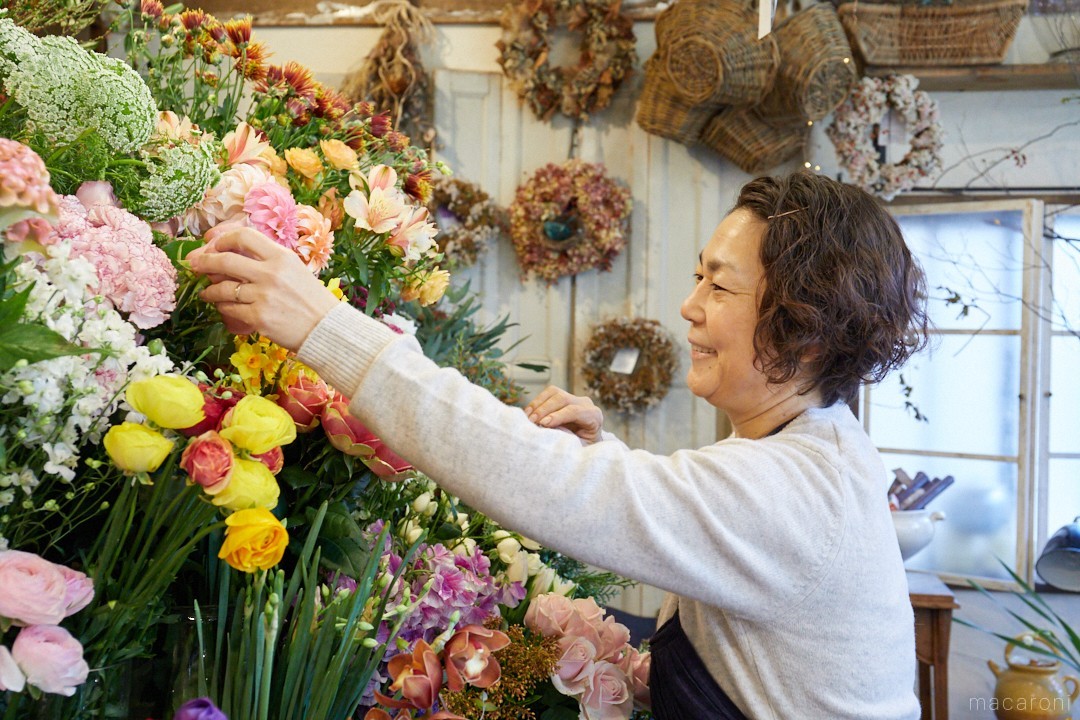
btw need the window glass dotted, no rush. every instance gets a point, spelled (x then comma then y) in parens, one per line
(980, 515)
(976, 257)
(1066, 255)
(1063, 498)
(1064, 394)
(965, 386)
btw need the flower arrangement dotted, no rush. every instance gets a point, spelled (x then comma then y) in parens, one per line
(149, 455)
(855, 124)
(607, 55)
(646, 381)
(467, 218)
(569, 218)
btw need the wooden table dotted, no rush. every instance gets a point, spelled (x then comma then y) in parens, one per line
(933, 603)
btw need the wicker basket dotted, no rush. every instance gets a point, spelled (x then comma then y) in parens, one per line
(740, 135)
(712, 54)
(816, 70)
(963, 33)
(663, 111)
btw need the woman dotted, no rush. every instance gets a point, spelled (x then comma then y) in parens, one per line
(788, 595)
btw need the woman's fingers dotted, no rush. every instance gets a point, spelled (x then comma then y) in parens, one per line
(556, 408)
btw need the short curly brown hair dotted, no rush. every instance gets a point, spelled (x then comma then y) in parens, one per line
(844, 300)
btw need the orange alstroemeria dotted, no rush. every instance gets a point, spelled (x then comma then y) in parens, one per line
(469, 657)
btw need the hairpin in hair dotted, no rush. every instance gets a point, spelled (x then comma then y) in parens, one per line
(789, 212)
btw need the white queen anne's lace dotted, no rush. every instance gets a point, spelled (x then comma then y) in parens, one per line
(67, 90)
(178, 177)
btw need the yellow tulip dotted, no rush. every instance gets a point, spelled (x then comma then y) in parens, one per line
(258, 425)
(168, 401)
(136, 448)
(254, 540)
(251, 485)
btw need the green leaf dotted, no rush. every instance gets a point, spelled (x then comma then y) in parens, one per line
(12, 309)
(297, 477)
(178, 249)
(33, 343)
(343, 554)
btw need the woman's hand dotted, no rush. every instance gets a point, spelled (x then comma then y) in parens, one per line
(261, 286)
(556, 408)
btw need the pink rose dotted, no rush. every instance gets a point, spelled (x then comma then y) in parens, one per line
(80, 590)
(35, 590)
(352, 437)
(614, 637)
(208, 460)
(273, 459)
(575, 667)
(636, 666)
(607, 696)
(304, 400)
(386, 463)
(548, 614)
(11, 677)
(345, 432)
(214, 408)
(51, 658)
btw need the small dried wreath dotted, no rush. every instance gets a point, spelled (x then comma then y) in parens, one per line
(569, 218)
(607, 54)
(649, 357)
(467, 218)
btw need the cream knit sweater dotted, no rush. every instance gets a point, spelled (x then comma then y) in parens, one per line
(779, 552)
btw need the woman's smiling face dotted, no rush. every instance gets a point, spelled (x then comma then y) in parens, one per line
(723, 310)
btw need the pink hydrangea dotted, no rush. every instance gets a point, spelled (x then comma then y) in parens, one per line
(315, 243)
(271, 210)
(133, 274)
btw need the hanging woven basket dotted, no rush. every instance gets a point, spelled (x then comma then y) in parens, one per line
(816, 72)
(740, 135)
(708, 56)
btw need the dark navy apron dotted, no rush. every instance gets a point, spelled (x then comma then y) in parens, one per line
(680, 686)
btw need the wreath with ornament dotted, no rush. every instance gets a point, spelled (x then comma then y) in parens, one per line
(857, 120)
(467, 219)
(607, 56)
(569, 218)
(650, 375)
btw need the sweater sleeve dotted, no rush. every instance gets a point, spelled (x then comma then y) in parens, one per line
(748, 526)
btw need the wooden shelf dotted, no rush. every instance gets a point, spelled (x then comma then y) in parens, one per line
(984, 78)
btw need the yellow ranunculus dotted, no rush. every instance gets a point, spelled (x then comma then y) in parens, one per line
(434, 286)
(258, 425)
(136, 448)
(169, 401)
(304, 161)
(339, 155)
(254, 540)
(277, 166)
(251, 485)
